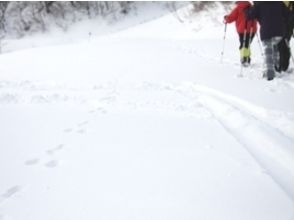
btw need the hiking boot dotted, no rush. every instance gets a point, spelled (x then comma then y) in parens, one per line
(245, 61)
(278, 68)
(270, 74)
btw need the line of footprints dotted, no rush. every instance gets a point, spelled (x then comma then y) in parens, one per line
(52, 163)
(52, 151)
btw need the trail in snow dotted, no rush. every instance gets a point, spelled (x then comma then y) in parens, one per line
(239, 117)
(267, 134)
(134, 140)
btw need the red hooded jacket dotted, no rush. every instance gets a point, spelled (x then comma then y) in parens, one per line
(239, 17)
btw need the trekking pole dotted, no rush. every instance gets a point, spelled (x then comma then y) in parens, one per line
(224, 41)
(243, 45)
(249, 44)
(260, 47)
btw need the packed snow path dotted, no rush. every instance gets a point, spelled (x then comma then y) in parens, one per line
(122, 127)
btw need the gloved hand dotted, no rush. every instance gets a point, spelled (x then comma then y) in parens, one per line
(225, 19)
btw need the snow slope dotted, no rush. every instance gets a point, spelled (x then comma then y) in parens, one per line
(145, 123)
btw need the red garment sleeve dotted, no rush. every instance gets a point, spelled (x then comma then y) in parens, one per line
(232, 16)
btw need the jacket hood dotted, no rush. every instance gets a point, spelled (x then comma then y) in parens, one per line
(243, 4)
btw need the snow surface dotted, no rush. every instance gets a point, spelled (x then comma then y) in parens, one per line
(144, 123)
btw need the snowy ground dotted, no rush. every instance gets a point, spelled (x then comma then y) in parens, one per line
(145, 123)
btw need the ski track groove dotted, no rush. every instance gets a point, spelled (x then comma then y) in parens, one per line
(259, 113)
(277, 156)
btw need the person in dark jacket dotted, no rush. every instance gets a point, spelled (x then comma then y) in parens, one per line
(272, 17)
(245, 29)
(284, 45)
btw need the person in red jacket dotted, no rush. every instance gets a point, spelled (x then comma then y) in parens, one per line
(246, 29)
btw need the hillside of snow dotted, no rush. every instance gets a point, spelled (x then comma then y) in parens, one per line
(143, 122)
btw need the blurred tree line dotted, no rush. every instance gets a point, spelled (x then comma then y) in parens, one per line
(23, 17)
(205, 5)
(20, 18)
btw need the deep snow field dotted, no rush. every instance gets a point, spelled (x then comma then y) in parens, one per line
(143, 122)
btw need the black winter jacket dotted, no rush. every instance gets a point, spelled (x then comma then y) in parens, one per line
(272, 17)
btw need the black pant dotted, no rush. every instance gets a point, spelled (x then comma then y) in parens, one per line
(248, 40)
(285, 54)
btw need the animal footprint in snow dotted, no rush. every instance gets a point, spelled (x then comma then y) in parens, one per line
(99, 110)
(59, 147)
(32, 162)
(67, 130)
(83, 123)
(11, 191)
(81, 131)
(102, 110)
(53, 150)
(52, 164)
